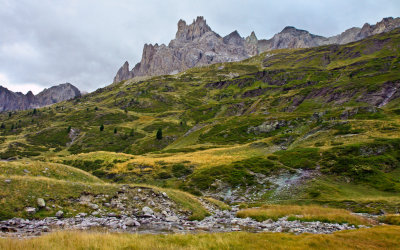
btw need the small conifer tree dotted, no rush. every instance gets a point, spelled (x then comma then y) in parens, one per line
(159, 134)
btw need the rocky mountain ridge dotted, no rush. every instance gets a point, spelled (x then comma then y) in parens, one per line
(197, 45)
(10, 101)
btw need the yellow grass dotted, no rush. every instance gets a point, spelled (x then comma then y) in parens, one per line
(383, 237)
(46, 169)
(304, 213)
(209, 157)
(221, 205)
(392, 219)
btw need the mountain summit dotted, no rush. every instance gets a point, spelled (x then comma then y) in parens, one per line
(194, 45)
(197, 44)
(10, 100)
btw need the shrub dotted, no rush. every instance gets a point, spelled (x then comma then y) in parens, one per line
(164, 175)
(180, 170)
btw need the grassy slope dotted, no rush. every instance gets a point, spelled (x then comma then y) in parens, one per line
(60, 185)
(45, 169)
(218, 128)
(303, 213)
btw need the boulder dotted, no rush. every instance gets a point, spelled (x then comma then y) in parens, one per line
(30, 210)
(172, 218)
(59, 214)
(41, 203)
(148, 212)
(131, 222)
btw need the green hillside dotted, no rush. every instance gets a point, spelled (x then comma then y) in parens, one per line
(318, 125)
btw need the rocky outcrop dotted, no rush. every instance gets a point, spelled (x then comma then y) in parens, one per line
(194, 45)
(290, 37)
(123, 73)
(293, 38)
(197, 44)
(10, 101)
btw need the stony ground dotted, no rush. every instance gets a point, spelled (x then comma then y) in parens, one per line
(164, 222)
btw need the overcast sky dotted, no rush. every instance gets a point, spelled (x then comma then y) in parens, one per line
(84, 42)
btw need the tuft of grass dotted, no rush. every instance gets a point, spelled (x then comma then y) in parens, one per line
(392, 219)
(188, 202)
(303, 213)
(221, 205)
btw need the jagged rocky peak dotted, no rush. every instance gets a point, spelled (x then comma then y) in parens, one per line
(234, 39)
(197, 45)
(55, 94)
(123, 73)
(387, 24)
(194, 45)
(190, 32)
(10, 100)
(252, 38)
(290, 37)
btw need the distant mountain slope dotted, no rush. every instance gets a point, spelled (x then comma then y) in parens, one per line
(197, 44)
(10, 101)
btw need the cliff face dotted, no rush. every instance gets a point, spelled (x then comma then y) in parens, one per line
(10, 101)
(196, 45)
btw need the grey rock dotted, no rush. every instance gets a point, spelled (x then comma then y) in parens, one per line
(59, 214)
(94, 206)
(172, 219)
(147, 211)
(30, 210)
(131, 222)
(194, 45)
(41, 203)
(10, 101)
(123, 73)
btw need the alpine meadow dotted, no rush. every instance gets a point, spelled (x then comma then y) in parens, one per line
(213, 142)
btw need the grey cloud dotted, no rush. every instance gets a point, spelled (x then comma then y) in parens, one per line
(85, 41)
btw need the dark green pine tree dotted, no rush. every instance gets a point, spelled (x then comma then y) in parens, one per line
(159, 134)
